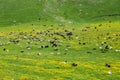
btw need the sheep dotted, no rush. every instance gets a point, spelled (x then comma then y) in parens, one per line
(108, 65)
(74, 64)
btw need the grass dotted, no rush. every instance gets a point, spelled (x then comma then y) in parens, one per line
(28, 25)
(16, 12)
(43, 64)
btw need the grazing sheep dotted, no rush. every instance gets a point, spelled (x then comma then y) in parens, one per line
(95, 27)
(55, 49)
(46, 46)
(79, 43)
(39, 19)
(22, 51)
(108, 65)
(74, 64)
(39, 54)
(84, 30)
(107, 47)
(110, 21)
(28, 47)
(69, 34)
(60, 34)
(117, 50)
(44, 25)
(89, 52)
(4, 49)
(100, 25)
(84, 43)
(54, 42)
(94, 48)
(1, 44)
(42, 46)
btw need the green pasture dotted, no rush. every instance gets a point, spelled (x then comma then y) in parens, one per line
(14, 12)
(59, 40)
(48, 64)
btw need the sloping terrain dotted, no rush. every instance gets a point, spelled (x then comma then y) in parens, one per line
(51, 11)
(60, 52)
(59, 40)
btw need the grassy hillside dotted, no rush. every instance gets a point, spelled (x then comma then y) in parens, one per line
(59, 40)
(51, 11)
(26, 52)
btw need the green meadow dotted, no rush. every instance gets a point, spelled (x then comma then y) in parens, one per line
(59, 40)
